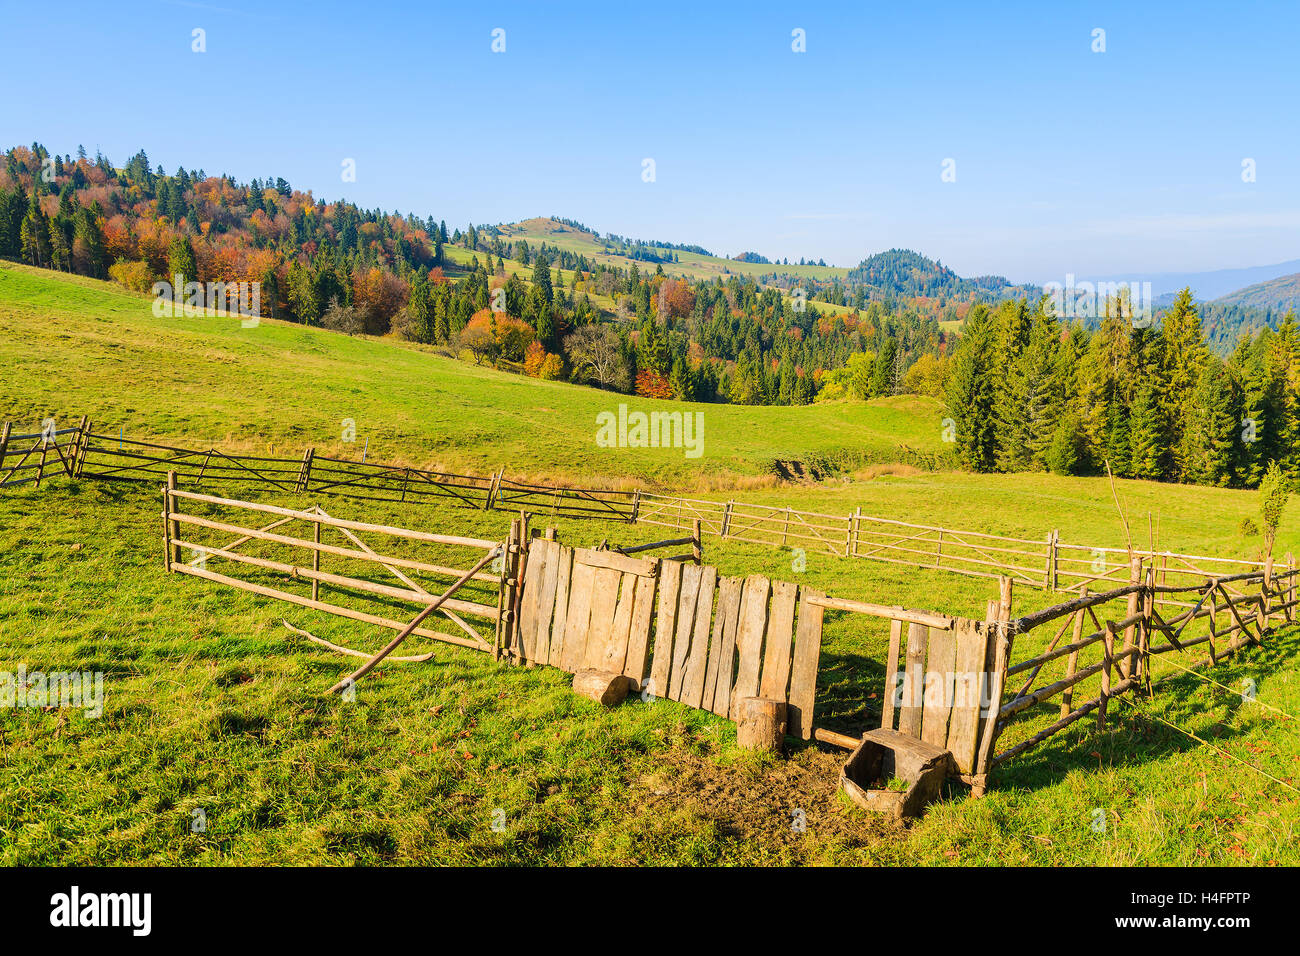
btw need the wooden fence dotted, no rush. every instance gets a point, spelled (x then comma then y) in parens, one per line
(181, 530)
(32, 453)
(1046, 563)
(686, 633)
(512, 495)
(1111, 638)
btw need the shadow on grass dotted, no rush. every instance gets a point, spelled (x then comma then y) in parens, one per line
(1133, 737)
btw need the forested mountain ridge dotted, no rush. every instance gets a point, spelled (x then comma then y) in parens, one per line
(554, 310)
(1025, 391)
(1275, 295)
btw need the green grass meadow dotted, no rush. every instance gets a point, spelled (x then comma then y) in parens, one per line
(213, 711)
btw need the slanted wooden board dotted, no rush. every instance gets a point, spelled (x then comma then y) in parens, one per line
(697, 660)
(615, 654)
(937, 703)
(963, 727)
(534, 566)
(692, 577)
(638, 643)
(722, 655)
(891, 675)
(749, 640)
(909, 713)
(546, 603)
(670, 584)
(779, 641)
(604, 601)
(803, 677)
(556, 655)
(581, 580)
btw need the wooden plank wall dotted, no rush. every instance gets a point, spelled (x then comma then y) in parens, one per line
(678, 631)
(934, 686)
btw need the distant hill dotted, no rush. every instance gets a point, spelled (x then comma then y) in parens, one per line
(902, 273)
(1205, 286)
(1277, 294)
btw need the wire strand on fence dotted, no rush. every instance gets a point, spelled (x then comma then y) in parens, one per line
(1205, 743)
(1211, 680)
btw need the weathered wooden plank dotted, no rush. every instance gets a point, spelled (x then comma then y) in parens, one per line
(535, 568)
(778, 642)
(909, 713)
(604, 601)
(803, 676)
(891, 675)
(565, 567)
(670, 584)
(581, 579)
(615, 656)
(614, 561)
(722, 653)
(638, 643)
(697, 661)
(692, 576)
(749, 639)
(938, 687)
(963, 728)
(546, 603)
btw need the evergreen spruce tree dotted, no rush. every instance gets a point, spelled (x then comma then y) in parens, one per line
(1147, 439)
(1210, 439)
(972, 394)
(1181, 354)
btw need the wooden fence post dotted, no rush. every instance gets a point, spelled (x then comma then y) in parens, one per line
(503, 604)
(1053, 558)
(4, 445)
(304, 474)
(1105, 676)
(1047, 564)
(997, 658)
(636, 506)
(1144, 636)
(1289, 614)
(40, 468)
(171, 529)
(74, 450)
(1072, 662)
(1265, 589)
(83, 445)
(697, 550)
(1134, 577)
(315, 557)
(726, 518)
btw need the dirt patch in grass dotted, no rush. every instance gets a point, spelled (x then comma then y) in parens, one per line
(760, 800)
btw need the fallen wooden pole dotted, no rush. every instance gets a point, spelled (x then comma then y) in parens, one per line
(369, 665)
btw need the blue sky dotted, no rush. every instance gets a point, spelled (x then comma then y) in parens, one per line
(1066, 160)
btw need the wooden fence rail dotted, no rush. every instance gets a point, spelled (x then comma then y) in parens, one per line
(1111, 637)
(1047, 563)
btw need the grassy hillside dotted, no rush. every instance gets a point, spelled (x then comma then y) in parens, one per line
(71, 346)
(212, 706)
(692, 264)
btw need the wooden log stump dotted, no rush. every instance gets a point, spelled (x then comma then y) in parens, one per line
(761, 725)
(603, 687)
